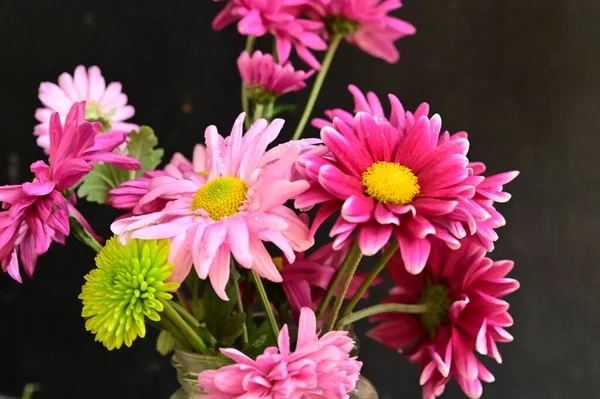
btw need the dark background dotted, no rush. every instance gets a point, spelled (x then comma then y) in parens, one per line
(521, 76)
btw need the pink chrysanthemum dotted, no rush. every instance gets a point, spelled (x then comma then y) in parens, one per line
(305, 280)
(104, 104)
(281, 19)
(488, 190)
(129, 194)
(464, 289)
(318, 368)
(365, 24)
(232, 210)
(37, 212)
(398, 177)
(265, 80)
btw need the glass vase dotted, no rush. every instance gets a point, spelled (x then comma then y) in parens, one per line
(189, 365)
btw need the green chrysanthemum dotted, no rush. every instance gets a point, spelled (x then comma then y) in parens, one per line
(126, 287)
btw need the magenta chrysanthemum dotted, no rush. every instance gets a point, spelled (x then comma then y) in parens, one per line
(463, 289)
(37, 212)
(318, 368)
(365, 24)
(104, 104)
(398, 176)
(232, 210)
(265, 80)
(282, 19)
(129, 194)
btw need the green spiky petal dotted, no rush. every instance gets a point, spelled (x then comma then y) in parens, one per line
(125, 288)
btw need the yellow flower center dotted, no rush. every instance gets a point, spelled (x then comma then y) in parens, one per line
(390, 183)
(278, 260)
(220, 197)
(203, 173)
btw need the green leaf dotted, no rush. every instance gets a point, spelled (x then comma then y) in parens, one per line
(197, 307)
(260, 338)
(165, 343)
(224, 326)
(282, 108)
(105, 177)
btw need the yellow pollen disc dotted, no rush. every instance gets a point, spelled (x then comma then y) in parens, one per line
(390, 183)
(220, 197)
(278, 260)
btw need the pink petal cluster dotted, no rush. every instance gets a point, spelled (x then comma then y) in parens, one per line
(281, 18)
(449, 205)
(308, 277)
(37, 212)
(129, 194)
(373, 30)
(475, 318)
(106, 104)
(208, 243)
(318, 368)
(260, 72)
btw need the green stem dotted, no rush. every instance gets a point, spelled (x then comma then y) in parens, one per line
(377, 309)
(265, 301)
(335, 42)
(258, 112)
(379, 266)
(29, 390)
(349, 275)
(250, 41)
(337, 279)
(240, 305)
(195, 340)
(249, 308)
(183, 300)
(191, 320)
(167, 325)
(82, 235)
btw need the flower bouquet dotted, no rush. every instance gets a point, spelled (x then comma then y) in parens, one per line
(219, 253)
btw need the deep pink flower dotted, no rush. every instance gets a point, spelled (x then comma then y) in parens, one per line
(129, 194)
(366, 24)
(279, 18)
(318, 368)
(37, 212)
(104, 104)
(232, 210)
(265, 80)
(397, 176)
(464, 289)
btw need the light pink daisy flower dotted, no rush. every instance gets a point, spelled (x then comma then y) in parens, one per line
(104, 104)
(37, 212)
(265, 80)
(279, 18)
(488, 190)
(232, 211)
(365, 24)
(464, 289)
(318, 368)
(129, 194)
(395, 176)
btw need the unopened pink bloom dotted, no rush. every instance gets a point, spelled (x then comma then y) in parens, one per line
(104, 104)
(282, 19)
(464, 288)
(129, 194)
(232, 210)
(265, 80)
(395, 176)
(318, 368)
(37, 212)
(366, 24)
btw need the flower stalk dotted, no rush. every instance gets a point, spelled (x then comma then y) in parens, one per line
(378, 309)
(355, 257)
(266, 304)
(197, 343)
(83, 235)
(250, 41)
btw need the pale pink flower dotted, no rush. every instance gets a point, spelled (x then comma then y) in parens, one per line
(37, 212)
(319, 368)
(463, 288)
(366, 24)
(395, 176)
(265, 80)
(488, 190)
(233, 210)
(104, 104)
(128, 195)
(279, 18)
